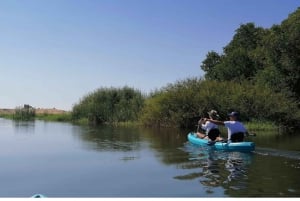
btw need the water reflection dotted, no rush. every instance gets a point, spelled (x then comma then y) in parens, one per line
(164, 142)
(119, 161)
(277, 140)
(105, 138)
(24, 127)
(215, 169)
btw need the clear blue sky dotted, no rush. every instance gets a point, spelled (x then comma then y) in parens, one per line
(53, 52)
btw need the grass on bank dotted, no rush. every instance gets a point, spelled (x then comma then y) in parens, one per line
(261, 126)
(65, 117)
(7, 116)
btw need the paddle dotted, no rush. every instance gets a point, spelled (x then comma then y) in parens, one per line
(198, 125)
(247, 135)
(198, 128)
(251, 134)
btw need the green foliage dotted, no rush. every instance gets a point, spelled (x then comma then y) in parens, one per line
(109, 105)
(267, 57)
(247, 37)
(64, 117)
(239, 59)
(172, 106)
(262, 126)
(183, 103)
(25, 113)
(257, 75)
(209, 65)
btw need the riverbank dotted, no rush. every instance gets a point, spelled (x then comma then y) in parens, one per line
(47, 114)
(7, 111)
(53, 114)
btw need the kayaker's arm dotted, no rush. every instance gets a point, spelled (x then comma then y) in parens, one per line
(201, 121)
(215, 121)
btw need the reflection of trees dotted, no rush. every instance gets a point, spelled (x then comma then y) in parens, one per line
(277, 140)
(24, 127)
(167, 141)
(217, 169)
(246, 174)
(213, 168)
(105, 138)
(264, 176)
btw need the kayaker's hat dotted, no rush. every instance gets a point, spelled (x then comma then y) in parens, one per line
(233, 114)
(213, 114)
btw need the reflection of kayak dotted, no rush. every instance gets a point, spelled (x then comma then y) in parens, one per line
(236, 146)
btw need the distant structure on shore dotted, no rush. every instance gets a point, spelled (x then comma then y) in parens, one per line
(37, 111)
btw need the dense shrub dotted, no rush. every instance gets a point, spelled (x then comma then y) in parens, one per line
(109, 105)
(183, 103)
(24, 113)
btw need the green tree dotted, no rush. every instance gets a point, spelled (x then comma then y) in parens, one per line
(209, 64)
(238, 62)
(266, 57)
(282, 47)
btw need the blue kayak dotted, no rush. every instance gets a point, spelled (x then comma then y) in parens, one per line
(227, 146)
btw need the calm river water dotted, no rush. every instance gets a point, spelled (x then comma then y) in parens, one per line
(65, 160)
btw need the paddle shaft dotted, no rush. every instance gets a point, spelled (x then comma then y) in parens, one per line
(251, 134)
(198, 128)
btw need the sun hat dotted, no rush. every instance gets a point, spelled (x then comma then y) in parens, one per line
(213, 114)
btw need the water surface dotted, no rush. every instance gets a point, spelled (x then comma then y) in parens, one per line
(65, 160)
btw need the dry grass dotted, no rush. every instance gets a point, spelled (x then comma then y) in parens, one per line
(37, 111)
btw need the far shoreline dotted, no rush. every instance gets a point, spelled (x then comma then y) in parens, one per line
(37, 111)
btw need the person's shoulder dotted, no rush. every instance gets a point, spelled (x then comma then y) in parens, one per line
(239, 122)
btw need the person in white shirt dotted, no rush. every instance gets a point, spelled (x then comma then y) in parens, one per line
(236, 130)
(211, 129)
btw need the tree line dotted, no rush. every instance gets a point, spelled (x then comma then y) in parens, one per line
(257, 74)
(265, 57)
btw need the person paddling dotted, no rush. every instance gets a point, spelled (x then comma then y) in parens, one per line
(236, 130)
(212, 131)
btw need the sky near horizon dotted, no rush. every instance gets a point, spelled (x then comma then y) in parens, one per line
(54, 52)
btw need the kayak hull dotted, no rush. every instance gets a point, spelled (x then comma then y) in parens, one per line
(237, 146)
